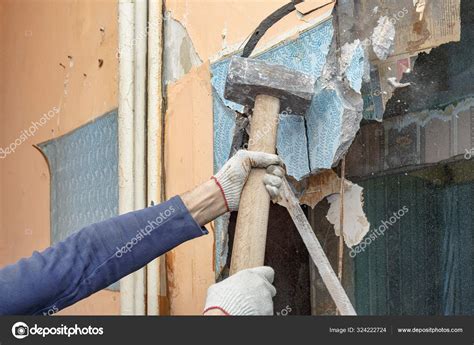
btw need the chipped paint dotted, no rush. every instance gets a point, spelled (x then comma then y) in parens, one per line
(179, 55)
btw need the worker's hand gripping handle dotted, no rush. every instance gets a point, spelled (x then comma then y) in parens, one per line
(252, 220)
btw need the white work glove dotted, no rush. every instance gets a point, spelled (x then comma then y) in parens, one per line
(248, 292)
(233, 175)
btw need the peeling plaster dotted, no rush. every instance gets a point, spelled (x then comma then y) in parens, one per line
(396, 84)
(330, 125)
(307, 54)
(355, 223)
(383, 38)
(179, 55)
(419, 8)
(327, 184)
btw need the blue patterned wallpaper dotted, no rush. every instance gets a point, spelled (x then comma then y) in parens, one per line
(306, 54)
(84, 176)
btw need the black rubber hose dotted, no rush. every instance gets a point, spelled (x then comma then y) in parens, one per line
(266, 24)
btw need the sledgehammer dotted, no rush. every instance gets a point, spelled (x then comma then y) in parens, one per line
(267, 88)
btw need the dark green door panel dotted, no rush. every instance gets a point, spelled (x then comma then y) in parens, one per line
(423, 264)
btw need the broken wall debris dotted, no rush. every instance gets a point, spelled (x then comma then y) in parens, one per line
(440, 78)
(419, 26)
(355, 224)
(189, 39)
(316, 142)
(327, 185)
(333, 117)
(314, 189)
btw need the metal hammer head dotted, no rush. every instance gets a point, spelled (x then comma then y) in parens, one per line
(248, 78)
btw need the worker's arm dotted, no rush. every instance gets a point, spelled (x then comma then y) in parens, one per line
(93, 258)
(102, 253)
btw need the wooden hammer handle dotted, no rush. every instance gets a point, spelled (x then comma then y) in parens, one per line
(252, 220)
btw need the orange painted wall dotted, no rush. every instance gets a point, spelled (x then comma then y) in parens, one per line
(36, 75)
(216, 26)
(188, 162)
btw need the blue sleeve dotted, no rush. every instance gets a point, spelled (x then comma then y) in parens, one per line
(93, 258)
